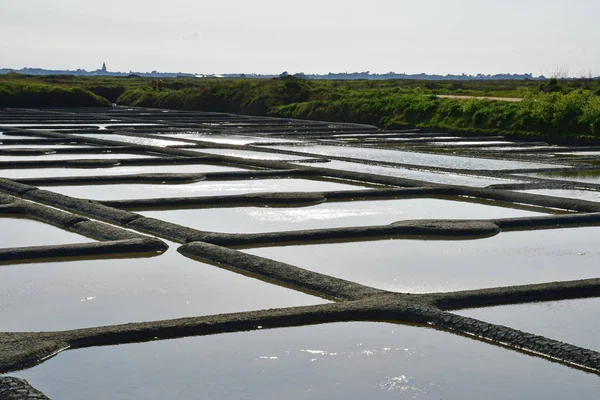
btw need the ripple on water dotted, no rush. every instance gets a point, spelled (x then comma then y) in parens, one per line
(334, 361)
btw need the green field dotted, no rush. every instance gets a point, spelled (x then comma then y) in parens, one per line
(554, 110)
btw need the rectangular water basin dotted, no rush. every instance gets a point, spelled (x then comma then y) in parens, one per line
(588, 195)
(330, 215)
(228, 139)
(128, 139)
(336, 361)
(467, 143)
(46, 146)
(415, 158)
(114, 171)
(86, 293)
(203, 188)
(420, 266)
(23, 232)
(426, 176)
(252, 155)
(586, 176)
(103, 155)
(571, 321)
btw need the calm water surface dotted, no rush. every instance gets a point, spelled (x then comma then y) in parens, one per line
(114, 171)
(254, 155)
(203, 188)
(335, 361)
(330, 215)
(414, 158)
(588, 195)
(86, 293)
(510, 258)
(22, 232)
(427, 176)
(573, 321)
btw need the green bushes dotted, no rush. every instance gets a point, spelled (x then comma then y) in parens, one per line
(38, 95)
(553, 109)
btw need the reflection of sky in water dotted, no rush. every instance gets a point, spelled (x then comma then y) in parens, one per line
(589, 176)
(203, 188)
(229, 139)
(254, 155)
(329, 215)
(588, 195)
(58, 125)
(427, 176)
(572, 321)
(333, 361)
(413, 158)
(468, 143)
(85, 293)
(74, 156)
(132, 139)
(17, 232)
(125, 170)
(510, 258)
(46, 146)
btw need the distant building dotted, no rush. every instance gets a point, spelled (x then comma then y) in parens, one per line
(103, 67)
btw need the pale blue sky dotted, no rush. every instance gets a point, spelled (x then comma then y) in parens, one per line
(311, 36)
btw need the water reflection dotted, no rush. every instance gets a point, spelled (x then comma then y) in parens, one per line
(572, 321)
(17, 232)
(510, 258)
(204, 188)
(85, 293)
(414, 158)
(334, 361)
(330, 215)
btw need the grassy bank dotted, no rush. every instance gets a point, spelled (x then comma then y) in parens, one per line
(23, 94)
(552, 109)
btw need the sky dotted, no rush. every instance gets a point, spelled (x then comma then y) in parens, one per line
(310, 36)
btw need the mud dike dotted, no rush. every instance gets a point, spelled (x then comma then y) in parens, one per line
(340, 223)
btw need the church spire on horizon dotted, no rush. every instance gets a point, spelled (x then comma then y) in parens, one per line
(103, 67)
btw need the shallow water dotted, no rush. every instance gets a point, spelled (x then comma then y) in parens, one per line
(329, 215)
(588, 195)
(587, 176)
(467, 143)
(334, 361)
(414, 158)
(145, 141)
(229, 139)
(579, 153)
(571, 321)
(203, 188)
(22, 232)
(509, 148)
(102, 155)
(418, 266)
(125, 170)
(46, 146)
(427, 176)
(76, 294)
(3, 136)
(253, 155)
(58, 125)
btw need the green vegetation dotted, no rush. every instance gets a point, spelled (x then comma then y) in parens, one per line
(556, 109)
(22, 94)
